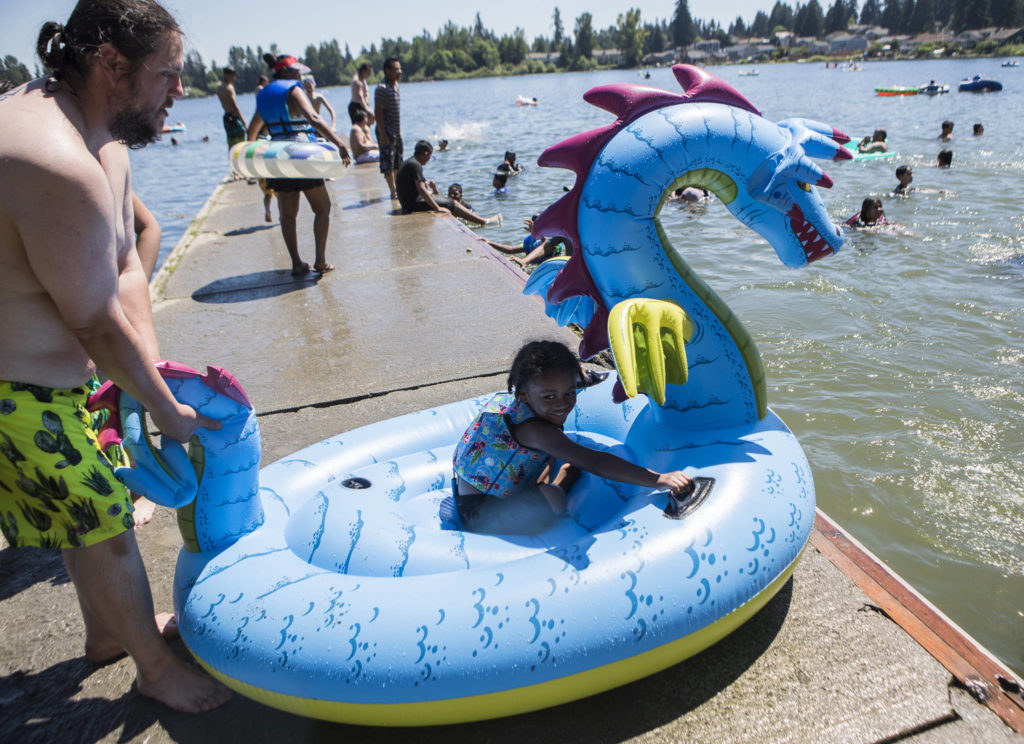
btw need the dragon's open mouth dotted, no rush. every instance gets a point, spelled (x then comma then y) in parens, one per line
(814, 245)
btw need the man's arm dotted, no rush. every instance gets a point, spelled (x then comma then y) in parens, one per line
(378, 113)
(72, 252)
(424, 191)
(147, 235)
(233, 103)
(254, 127)
(330, 108)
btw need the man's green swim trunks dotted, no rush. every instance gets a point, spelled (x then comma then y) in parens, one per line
(57, 489)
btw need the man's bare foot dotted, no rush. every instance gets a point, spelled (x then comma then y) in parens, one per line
(300, 269)
(177, 685)
(105, 650)
(144, 509)
(268, 217)
(323, 268)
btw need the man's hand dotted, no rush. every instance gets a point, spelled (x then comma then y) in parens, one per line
(182, 423)
(442, 210)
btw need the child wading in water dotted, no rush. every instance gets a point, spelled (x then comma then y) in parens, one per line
(505, 460)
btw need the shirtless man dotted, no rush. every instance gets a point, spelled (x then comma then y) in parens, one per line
(361, 94)
(234, 122)
(364, 149)
(74, 299)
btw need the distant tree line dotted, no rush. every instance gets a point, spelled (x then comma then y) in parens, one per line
(12, 73)
(457, 51)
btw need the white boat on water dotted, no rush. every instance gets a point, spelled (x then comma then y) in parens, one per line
(749, 73)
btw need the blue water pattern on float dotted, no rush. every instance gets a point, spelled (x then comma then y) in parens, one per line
(371, 596)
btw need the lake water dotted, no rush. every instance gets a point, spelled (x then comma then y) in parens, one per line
(897, 362)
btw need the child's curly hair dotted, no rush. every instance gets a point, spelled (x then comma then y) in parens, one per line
(540, 358)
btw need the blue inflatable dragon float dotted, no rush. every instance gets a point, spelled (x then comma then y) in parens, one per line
(343, 587)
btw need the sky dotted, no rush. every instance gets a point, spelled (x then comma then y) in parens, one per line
(212, 26)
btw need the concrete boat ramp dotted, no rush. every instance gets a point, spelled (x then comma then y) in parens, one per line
(846, 652)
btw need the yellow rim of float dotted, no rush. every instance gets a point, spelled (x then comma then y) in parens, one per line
(521, 699)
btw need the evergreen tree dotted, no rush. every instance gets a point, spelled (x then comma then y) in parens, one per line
(968, 14)
(760, 25)
(923, 20)
(782, 15)
(654, 39)
(193, 73)
(585, 36)
(906, 14)
(1006, 13)
(738, 29)
(810, 21)
(835, 19)
(871, 13)
(943, 12)
(684, 32)
(891, 16)
(556, 40)
(12, 73)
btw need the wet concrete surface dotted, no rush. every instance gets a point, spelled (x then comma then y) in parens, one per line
(406, 322)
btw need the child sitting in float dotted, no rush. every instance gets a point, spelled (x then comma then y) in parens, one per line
(506, 457)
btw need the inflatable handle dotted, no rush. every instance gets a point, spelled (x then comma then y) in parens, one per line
(577, 309)
(219, 472)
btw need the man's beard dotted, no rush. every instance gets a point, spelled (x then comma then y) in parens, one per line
(134, 128)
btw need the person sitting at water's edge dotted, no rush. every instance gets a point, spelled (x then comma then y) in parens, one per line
(871, 214)
(536, 250)
(876, 143)
(417, 194)
(364, 149)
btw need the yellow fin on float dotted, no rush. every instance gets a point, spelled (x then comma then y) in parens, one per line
(647, 339)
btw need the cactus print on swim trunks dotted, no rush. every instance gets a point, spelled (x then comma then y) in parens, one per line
(57, 489)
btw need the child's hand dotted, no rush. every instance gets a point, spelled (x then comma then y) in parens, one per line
(677, 482)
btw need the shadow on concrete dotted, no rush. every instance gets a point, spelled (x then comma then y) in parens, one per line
(41, 707)
(256, 286)
(250, 230)
(612, 716)
(367, 202)
(20, 568)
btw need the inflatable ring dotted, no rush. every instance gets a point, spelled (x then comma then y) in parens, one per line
(286, 159)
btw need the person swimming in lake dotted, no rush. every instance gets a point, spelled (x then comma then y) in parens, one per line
(874, 143)
(500, 180)
(945, 158)
(510, 164)
(904, 176)
(947, 131)
(871, 214)
(505, 474)
(979, 129)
